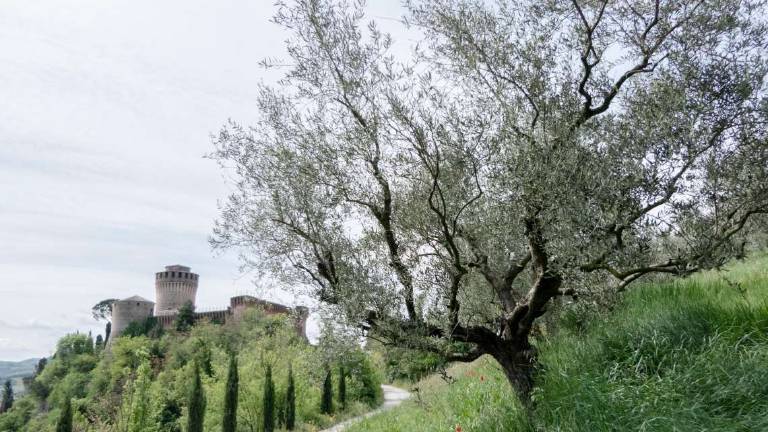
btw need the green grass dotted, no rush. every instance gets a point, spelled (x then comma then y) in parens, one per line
(479, 400)
(687, 355)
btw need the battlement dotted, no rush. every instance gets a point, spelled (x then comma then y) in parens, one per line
(174, 287)
(177, 274)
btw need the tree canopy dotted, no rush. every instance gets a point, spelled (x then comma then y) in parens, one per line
(523, 152)
(103, 309)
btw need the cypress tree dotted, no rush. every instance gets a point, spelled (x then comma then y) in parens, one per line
(290, 401)
(229, 423)
(64, 424)
(326, 402)
(107, 332)
(196, 404)
(99, 342)
(342, 388)
(40, 366)
(7, 400)
(269, 401)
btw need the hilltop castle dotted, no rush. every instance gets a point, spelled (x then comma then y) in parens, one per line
(177, 286)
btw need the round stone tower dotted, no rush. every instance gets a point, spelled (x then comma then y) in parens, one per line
(174, 287)
(126, 311)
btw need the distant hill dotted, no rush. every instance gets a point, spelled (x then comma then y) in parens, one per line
(9, 369)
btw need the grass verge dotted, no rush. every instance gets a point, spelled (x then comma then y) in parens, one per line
(687, 355)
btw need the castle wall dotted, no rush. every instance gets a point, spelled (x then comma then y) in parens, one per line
(222, 316)
(175, 287)
(239, 304)
(127, 311)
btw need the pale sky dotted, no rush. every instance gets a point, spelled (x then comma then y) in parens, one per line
(106, 111)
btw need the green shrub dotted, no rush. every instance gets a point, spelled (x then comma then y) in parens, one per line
(64, 424)
(185, 319)
(410, 365)
(148, 327)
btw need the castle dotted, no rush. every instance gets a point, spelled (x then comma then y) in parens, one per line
(177, 286)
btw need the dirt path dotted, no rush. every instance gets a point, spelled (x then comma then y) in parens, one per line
(393, 397)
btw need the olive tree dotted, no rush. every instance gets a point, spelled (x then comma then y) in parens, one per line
(524, 151)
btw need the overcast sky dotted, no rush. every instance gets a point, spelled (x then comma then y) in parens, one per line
(106, 111)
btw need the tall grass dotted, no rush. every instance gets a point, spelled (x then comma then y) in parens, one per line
(685, 355)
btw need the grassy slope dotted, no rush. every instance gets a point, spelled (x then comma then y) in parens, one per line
(690, 355)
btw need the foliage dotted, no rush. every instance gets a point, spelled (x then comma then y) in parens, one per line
(139, 419)
(229, 423)
(107, 332)
(268, 411)
(103, 309)
(73, 345)
(342, 387)
(196, 404)
(40, 366)
(99, 344)
(144, 381)
(148, 327)
(676, 355)
(185, 319)
(290, 401)
(6, 401)
(64, 423)
(168, 415)
(18, 416)
(410, 365)
(326, 402)
(443, 197)
(202, 355)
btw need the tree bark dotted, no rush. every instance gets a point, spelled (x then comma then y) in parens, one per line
(519, 364)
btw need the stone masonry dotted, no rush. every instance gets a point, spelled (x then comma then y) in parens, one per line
(176, 286)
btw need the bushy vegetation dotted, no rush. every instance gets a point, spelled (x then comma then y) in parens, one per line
(402, 364)
(685, 355)
(147, 384)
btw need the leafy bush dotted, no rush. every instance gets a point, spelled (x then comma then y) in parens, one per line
(410, 365)
(148, 327)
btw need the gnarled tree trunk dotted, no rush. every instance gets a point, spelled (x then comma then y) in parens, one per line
(519, 363)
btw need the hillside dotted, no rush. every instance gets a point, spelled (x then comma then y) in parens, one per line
(9, 369)
(687, 355)
(16, 371)
(145, 380)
